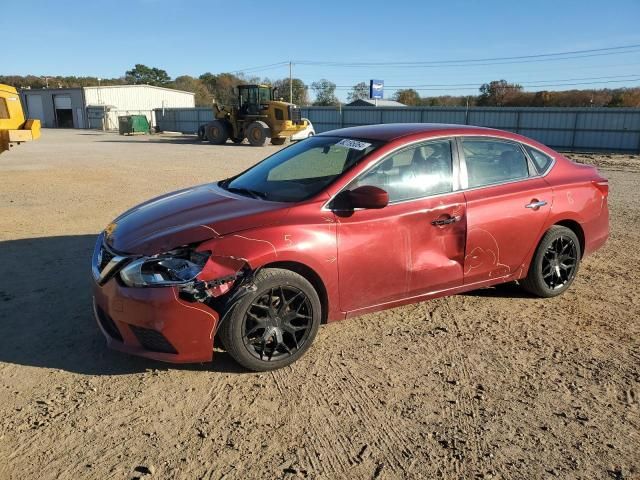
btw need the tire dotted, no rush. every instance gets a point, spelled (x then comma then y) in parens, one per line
(202, 134)
(279, 140)
(217, 132)
(555, 263)
(260, 334)
(258, 133)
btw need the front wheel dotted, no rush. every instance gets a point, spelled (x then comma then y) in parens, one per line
(273, 326)
(258, 133)
(555, 263)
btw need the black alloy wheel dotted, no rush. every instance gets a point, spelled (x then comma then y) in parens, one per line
(277, 323)
(559, 262)
(274, 325)
(555, 263)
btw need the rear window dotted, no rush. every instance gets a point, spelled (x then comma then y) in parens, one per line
(540, 160)
(492, 161)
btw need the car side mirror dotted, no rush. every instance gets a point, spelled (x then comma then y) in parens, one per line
(367, 196)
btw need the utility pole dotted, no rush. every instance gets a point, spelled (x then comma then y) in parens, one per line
(290, 83)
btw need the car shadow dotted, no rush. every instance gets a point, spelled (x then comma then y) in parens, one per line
(503, 290)
(46, 318)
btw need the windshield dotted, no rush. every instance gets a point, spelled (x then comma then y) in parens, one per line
(301, 170)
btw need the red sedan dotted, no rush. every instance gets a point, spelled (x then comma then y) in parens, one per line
(344, 223)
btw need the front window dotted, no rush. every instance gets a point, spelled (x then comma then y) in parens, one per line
(415, 172)
(248, 96)
(301, 170)
(265, 95)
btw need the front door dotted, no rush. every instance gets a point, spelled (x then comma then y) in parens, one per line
(413, 246)
(507, 207)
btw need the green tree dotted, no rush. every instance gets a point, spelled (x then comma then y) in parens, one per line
(407, 96)
(143, 75)
(300, 90)
(222, 86)
(359, 90)
(498, 93)
(325, 92)
(203, 97)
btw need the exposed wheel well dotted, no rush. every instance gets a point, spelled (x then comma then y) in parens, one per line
(577, 229)
(312, 277)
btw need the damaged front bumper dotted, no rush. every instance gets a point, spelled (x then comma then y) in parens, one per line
(154, 323)
(170, 323)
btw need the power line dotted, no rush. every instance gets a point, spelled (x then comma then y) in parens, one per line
(260, 67)
(394, 65)
(474, 84)
(524, 86)
(535, 58)
(482, 61)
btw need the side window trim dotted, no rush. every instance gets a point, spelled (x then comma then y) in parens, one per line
(464, 176)
(455, 167)
(534, 166)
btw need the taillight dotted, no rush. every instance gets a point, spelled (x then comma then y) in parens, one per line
(603, 186)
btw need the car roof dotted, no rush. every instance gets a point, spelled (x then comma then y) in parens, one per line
(392, 131)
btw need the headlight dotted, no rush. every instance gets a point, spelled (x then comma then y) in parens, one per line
(176, 267)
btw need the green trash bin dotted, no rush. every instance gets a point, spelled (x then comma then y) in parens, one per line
(132, 124)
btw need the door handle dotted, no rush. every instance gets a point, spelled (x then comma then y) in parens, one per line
(446, 221)
(535, 204)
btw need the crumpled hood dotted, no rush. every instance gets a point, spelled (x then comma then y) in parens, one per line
(188, 216)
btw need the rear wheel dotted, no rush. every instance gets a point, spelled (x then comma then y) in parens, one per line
(554, 264)
(278, 140)
(217, 132)
(258, 133)
(274, 325)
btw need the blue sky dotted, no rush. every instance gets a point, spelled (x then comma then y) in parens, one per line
(190, 37)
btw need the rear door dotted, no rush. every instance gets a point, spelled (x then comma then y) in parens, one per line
(507, 207)
(414, 245)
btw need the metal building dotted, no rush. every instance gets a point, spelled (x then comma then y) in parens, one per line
(99, 107)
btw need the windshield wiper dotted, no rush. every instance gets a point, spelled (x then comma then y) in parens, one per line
(247, 192)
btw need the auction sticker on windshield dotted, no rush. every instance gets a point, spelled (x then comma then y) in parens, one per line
(355, 144)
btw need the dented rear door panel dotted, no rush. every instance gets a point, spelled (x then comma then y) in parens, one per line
(501, 230)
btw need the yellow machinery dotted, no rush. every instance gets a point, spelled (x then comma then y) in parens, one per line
(13, 126)
(258, 117)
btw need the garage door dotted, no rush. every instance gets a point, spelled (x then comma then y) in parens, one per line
(64, 112)
(34, 107)
(62, 102)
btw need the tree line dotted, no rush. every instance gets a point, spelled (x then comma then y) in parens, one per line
(500, 93)
(220, 86)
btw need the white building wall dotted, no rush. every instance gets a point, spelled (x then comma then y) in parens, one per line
(136, 99)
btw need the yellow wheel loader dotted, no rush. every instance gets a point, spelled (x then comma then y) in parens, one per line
(14, 129)
(258, 117)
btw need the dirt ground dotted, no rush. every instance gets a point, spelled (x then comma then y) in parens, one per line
(491, 384)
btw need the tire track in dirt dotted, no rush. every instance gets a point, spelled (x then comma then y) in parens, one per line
(462, 438)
